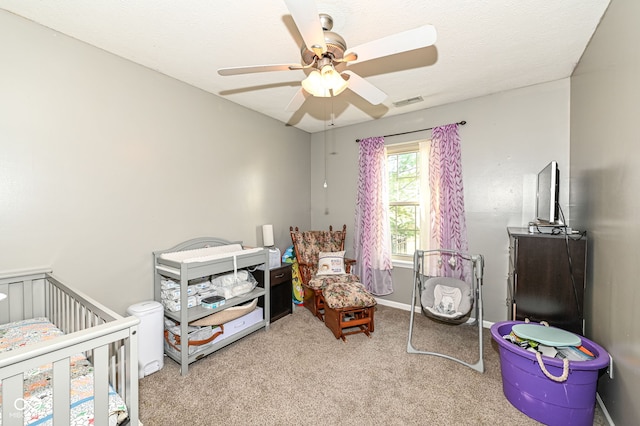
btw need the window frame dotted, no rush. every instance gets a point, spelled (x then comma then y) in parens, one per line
(402, 148)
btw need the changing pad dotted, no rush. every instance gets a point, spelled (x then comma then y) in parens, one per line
(227, 315)
(206, 254)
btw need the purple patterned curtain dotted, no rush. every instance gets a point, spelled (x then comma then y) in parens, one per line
(372, 234)
(448, 225)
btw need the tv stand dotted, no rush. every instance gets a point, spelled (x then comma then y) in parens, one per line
(541, 280)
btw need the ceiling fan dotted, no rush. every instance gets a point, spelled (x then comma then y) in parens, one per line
(325, 53)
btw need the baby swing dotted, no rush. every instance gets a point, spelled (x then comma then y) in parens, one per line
(448, 298)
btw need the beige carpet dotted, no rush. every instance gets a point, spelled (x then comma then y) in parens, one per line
(296, 372)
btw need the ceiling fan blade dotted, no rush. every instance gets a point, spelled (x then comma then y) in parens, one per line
(305, 15)
(397, 43)
(296, 102)
(365, 89)
(348, 57)
(257, 68)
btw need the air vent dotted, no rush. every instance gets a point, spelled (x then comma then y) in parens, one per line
(409, 101)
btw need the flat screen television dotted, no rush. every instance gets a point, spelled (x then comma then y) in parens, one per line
(547, 193)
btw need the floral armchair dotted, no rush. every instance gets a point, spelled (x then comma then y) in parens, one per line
(308, 245)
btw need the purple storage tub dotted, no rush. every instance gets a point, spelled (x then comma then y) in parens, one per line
(571, 402)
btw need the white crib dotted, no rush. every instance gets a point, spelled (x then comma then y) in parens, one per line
(106, 339)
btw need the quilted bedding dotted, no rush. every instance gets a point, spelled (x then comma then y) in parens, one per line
(38, 398)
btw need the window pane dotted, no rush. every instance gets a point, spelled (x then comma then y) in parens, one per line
(408, 189)
(404, 183)
(404, 170)
(407, 164)
(405, 229)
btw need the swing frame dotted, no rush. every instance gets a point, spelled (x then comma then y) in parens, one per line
(420, 278)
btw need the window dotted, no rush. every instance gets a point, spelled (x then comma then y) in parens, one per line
(408, 197)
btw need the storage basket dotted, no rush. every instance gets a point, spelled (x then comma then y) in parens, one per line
(570, 402)
(200, 338)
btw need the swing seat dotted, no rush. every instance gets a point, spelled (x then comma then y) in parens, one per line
(447, 299)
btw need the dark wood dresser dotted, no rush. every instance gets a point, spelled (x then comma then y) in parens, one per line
(545, 284)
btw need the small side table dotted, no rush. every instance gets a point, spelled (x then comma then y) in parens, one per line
(281, 302)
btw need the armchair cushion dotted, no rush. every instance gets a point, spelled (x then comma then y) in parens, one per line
(318, 282)
(347, 295)
(331, 263)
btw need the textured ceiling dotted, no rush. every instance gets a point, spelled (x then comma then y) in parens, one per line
(482, 46)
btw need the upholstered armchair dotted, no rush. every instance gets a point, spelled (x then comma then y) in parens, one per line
(308, 245)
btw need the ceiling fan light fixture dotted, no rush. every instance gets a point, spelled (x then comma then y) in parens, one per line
(333, 79)
(325, 83)
(313, 84)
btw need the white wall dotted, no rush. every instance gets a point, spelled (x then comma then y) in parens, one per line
(605, 182)
(103, 161)
(509, 137)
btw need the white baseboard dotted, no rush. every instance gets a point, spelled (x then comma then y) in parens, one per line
(407, 307)
(397, 305)
(604, 410)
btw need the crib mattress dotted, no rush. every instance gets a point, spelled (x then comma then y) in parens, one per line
(38, 393)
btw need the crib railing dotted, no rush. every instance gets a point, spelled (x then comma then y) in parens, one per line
(107, 339)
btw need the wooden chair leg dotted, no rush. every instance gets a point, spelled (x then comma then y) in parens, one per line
(332, 321)
(309, 299)
(314, 301)
(319, 299)
(372, 310)
(362, 319)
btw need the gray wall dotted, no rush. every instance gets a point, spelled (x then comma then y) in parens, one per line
(103, 161)
(509, 137)
(605, 182)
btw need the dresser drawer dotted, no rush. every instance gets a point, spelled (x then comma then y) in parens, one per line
(280, 275)
(280, 290)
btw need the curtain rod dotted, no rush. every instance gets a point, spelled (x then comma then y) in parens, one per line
(462, 123)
